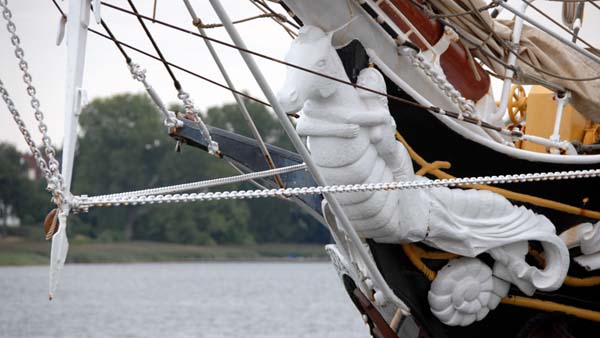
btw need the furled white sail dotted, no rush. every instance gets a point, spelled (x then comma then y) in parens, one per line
(539, 54)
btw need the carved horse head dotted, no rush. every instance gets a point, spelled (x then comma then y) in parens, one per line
(312, 49)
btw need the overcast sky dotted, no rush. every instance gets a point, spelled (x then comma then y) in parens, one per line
(106, 73)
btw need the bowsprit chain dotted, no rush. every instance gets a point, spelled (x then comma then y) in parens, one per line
(188, 104)
(418, 60)
(41, 162)
(85, 202)
(50, 170)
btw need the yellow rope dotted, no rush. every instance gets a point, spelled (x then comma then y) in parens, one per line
(416, 254)
(545, 305)
(422, 253)
(410, 252)
(542, 202)
(582, 282)
(569, 280)
(429, 167)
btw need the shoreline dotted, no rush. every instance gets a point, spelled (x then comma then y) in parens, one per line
(22, 252)
(199, 261)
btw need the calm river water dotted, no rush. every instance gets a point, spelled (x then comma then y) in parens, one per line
(249, 300)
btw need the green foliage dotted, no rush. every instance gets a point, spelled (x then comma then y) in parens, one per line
(124, 146)
(228, 117)
(19, 196)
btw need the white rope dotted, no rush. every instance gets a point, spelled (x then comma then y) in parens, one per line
(204, 184)
(84, 202)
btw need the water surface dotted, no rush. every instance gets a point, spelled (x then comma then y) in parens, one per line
(250, 300)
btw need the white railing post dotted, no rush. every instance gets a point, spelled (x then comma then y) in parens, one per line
(512, 59)
(77, 23)
(78, 19)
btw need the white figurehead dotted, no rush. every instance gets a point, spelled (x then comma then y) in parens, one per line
(350, 134)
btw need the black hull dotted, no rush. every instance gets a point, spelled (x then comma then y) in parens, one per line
(410, 285)
(432, 140)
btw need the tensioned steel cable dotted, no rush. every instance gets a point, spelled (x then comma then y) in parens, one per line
(59, 9)
(179, 67)
(123, 44)
(263, 7)
(127, 58)
(151, 38)
(433, 109)
(270, 10)
(530, 4)
(505, 45)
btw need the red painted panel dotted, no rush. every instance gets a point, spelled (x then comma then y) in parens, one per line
(455, 61)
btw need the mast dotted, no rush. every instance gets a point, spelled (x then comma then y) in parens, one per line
(77, 23)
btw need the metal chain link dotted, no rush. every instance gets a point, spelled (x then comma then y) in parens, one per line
(188, 104)
(54, 179)
(139, 74)
(465, 105)
(41, 162)
(85, 202)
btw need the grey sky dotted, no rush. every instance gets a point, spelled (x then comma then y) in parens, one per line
(106, 73)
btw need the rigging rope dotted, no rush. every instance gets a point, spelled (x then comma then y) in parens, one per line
(121, 43)
(155, 45)
(139, 74)
(110, 33)
(576, 37)
(241, 104)
(180, 68)
(504, 44)
(433, 109)
(188, 104)
(267, 10)
(270, 10)
(278, 16)
(206, 184)
(85, 202)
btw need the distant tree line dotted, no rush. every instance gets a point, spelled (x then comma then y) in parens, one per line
(123, 146)
(19, 195)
